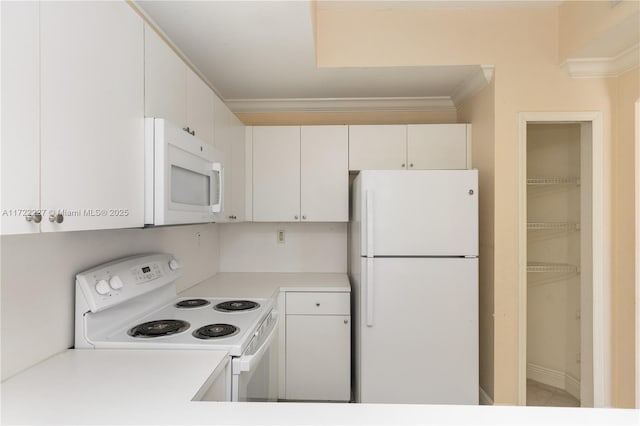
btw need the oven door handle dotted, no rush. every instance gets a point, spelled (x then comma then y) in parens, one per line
(247, 362)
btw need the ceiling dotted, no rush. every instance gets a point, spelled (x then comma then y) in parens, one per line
(260, 55)
(259, 50)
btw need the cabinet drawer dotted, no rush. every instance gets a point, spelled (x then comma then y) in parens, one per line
(318, 303)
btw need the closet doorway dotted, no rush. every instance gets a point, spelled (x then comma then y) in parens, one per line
(563, 319)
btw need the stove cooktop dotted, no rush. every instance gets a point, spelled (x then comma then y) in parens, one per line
(185, 324)
(192, 303)
(131, 303)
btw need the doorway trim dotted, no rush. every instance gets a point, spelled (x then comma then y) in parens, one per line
(637, 237)
(600, 256)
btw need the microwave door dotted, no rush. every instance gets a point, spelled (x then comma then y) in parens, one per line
(189, 188)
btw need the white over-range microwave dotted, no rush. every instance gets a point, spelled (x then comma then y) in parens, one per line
(183, 176)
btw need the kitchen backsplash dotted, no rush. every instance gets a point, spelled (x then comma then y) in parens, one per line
(307, 247)
(38, 280)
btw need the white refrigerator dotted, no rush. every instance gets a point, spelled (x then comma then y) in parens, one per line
(414, 274)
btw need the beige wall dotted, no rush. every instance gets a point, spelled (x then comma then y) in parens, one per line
(479, 111)
(370, 117)
(522, 43)
(414, 37)
(626, 92)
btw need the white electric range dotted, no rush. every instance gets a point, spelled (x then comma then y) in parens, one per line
(132, 303)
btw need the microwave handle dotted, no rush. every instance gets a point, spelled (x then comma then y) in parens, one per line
(217, 167)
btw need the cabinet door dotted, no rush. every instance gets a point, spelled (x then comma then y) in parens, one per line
(238, 168)
(223, 142)
(324, 173)
(165, 81)
(92, 108)
(20, 116)
(276, 173)
(200, 109)
(318, 357)
(379, 147)
(437, 146)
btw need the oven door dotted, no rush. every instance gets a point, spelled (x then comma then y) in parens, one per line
(255, 372)
(188, 178)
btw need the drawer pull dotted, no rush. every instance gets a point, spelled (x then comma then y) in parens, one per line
(317, 304)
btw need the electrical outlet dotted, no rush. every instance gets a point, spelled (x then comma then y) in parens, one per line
(280, 236)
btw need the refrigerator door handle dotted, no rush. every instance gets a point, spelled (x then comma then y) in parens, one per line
(369, 216)
(369, 292)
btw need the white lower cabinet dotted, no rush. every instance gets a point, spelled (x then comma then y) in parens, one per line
(318, 347)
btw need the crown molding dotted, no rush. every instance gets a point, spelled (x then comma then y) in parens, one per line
(603, 67)
(430, 5)
(433, 103)
(472, 85)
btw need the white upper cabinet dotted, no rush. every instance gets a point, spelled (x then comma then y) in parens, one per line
(378, 147)
(324, 173)
(223, 142)
(173, 91)
(238, 171)
(412, 147)
(92, 115)
(200, 114)
(300, 174)
(20, 117)
(229, 138)
(276, 173)
(438, 146)
(165, 81)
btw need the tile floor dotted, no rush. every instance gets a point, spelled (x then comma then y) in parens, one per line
(539, 394)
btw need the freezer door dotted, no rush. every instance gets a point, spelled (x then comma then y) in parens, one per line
(418, 213)
(417, 332)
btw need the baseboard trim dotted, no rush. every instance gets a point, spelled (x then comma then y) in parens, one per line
(485, 399)
(555, 378)
(572, 385)
(545, 375)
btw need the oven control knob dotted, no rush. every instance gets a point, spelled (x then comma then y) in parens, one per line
(102, 287)
(174, 264)
(116, 283)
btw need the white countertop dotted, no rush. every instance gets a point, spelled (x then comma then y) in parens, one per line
(136, 387)
(266, 284)
(107, 386)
